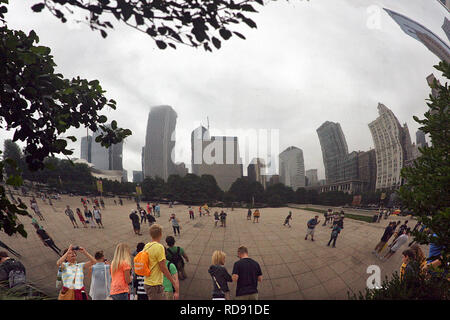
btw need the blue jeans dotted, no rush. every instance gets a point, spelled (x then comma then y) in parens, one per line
(120, 296)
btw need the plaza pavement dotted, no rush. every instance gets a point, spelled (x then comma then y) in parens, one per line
(292, 267)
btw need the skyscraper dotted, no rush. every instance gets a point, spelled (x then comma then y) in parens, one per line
(137, 176)
(106, 158)
(420, 139)
(160, 142)
(86, 148)
(313, 178)
(422, 34)
(292, 168)
(392, 148)
(256, 171)
(217, 156)
(334, 150)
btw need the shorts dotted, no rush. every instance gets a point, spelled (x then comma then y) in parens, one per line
(253, 296)
(72, 218)
(98, 220)
(155, 292)
(310, 232)
(169, 295)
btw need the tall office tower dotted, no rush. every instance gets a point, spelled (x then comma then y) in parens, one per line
(124, 176)
(106, 158)
(142, 162)
(86, 148)
(137, 176)
(199, 135)
(446, 28)
(217, 156)
(445, 3)
(420, 139)
(292, 168)
(367, 170)
(313, 179)
(334, 150)
(256, 172)
(160, 142)
(422, 34)
(100, 155)
(391, 148)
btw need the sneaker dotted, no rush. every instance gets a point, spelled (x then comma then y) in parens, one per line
(306, 238)
(312, 239)
(334, 247)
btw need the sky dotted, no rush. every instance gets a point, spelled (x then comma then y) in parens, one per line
(307, 62)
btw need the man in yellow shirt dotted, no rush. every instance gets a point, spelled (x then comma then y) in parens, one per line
(153, 284)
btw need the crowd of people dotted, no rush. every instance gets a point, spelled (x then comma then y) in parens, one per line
(125, 276)
(151, 272)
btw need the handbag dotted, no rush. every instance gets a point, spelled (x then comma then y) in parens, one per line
(220, 288)
(68, 293)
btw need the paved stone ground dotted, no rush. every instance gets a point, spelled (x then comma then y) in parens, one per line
(292, 267)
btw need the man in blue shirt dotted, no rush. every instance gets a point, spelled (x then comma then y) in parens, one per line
(311, 225)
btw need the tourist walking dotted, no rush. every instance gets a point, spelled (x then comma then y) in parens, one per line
(102, 203)
(72, 273)
(36, 210)
(223, 219)
(120, 273)
(158, 210)
(176, 254)
(388, 231)
(396, 244)
(311, 225)
(256, 215)
(286, 221)
(168, 287)
(143, 215)
(46, 239)
(153, 283)
(100, 278)
(69, 213)
(401, 230)
(175, 224)
(80, 216)
(246, 273)
(98, 217)
(325, 215)
(200, 211)
(216, 219)
(334, 234)
(89, 217)
(135, 222)
(191, 213)
(220, 276)
(249, 214)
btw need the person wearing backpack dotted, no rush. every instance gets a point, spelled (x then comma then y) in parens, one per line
(138, 281)
(220, 276)
(334, 234)
(152, 264)
(175, 255)
(12, 273)
(168, 287)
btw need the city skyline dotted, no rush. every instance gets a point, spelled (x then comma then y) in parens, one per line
(295, 92)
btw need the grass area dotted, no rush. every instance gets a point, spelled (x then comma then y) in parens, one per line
(347, 215)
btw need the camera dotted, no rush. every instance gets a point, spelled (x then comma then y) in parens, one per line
(76, 248)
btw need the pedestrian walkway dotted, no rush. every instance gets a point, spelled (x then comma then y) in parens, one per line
(292, 267)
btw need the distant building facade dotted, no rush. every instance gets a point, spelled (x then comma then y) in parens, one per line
(217, 156)
(86, 148)
(367, 170)
(160, 142)
(392, 148)
(420, 139)
(313, 179)
(292, 168)
(138, 177)
(256, 171)
(106, 158)
(334, 150)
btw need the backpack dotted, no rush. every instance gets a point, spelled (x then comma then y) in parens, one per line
(142, 263)
(175, 258)
(16, 274)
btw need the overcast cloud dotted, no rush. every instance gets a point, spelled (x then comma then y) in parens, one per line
(306, 63)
